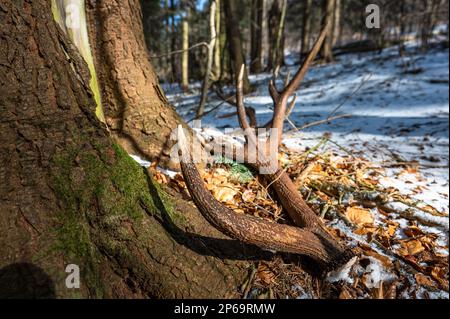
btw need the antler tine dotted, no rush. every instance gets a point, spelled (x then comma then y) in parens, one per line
(287, 79)
(279, 112)
(274, 93)
(291, 105)
(240, 100)
(298, 77)
(252, 140)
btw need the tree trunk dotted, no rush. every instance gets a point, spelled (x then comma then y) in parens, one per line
(256, 27)
(235, 42)
(167, 59)
(69, 195)
(185, 47)
(265, 33)
(431, 8)
(217, 48)
(328, 13)
(225, 72)
(277, 16)
(209, 59)
(306, 28)
(279, 44)
(337, 23)
(173, 42)
(139, 122)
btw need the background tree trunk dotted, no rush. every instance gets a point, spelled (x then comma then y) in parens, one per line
(225, 72)
(217, 48)
(235, 42)
(306, 29)
(431, 8)
(337, 23)
(70, 195)
(326, 52)
(141, 123)
(185, 47)
(173, 42)
(209, 59)
(277, 16)
(168, 59)
(256, 27)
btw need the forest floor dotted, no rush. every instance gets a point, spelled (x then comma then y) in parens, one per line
(379, 178)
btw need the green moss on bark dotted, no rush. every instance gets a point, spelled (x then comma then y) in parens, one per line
(101, 189)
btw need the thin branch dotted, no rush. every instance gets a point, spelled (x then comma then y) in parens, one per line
(211, 110)
(327, 120)
(349, 96)
(179, 51)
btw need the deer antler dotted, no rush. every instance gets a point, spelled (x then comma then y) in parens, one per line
(313, 240)
(290, 198)
(253, 230)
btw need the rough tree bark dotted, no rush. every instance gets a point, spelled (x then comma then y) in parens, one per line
(326, 52)
(69, 194)
(141, 123)
(256, 27)
(235, 41)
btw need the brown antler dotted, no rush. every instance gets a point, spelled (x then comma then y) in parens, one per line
(253, 230)
(290, 198)
(313, 240)
(288, 195)
(280, 99)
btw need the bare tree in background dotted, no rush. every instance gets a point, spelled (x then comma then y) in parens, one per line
(185, 47)
(277, 15)
(337, 23)
(306, 28)
(217, 48)
(327, 21)
(209, 59)
(429, 21)
(256, 27)
(235, 41)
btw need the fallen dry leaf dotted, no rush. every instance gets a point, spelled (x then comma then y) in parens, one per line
(345, 294)
(391, 230)
(359, 216)
(265, 274)
(383, 259)
(248, 196)
(411, 248)
(364, 230)
(224, 193)
(423, 280)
